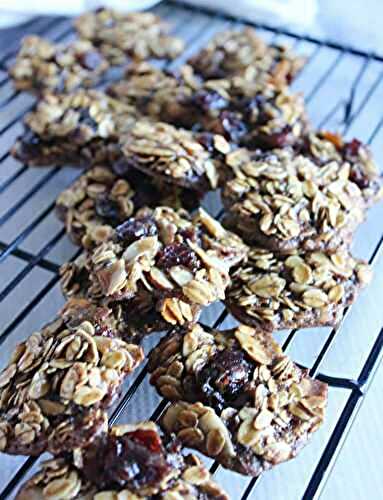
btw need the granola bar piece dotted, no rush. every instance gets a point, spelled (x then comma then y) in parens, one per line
(244, 111)
(161, 266)
(42, 66)
(78, 129)
(152, 89)
(177, 156)
(237, 53)
(323, 147)
(103, 198)
(282, 201)
(128, 462)
(59, 381)
(302, 290)
(238, 397)
(136, 35)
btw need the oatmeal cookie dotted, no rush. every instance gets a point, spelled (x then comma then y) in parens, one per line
(238, 398)
(133, 35)
(43, 66)
(273, 291)
(59, 381)
(103, 197)
(128, 462)
(283, 201)
(79, 129)
(161, 266)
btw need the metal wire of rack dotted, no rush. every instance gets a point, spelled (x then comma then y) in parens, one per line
(40, 244)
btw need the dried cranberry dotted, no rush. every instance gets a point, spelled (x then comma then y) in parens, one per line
(207, 141)
(223, 380)
(90, 60)
(29, 146)
(109, 210)
(134, 229)
(134, 460)
(177, 254)
(352, 148)
(273, 141)
(209, 100)
(147, 438)
(358, 176)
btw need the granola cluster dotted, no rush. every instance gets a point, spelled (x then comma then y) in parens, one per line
(283, 201)
(80, 129)
(102, 198)
(105, 38)
(59, 381)
(239, 399)
(175, 155)
(250, 112)
(274, 291)
(162, 263)
(42, 66)
(324, 147)
(137, 35)
(127, 462)
(244, 53)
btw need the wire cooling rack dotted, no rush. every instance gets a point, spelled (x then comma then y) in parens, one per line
(343, 87)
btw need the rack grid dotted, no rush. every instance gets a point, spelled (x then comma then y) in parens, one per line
(342, 86)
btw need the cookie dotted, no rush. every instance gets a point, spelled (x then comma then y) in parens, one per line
(133, 35)
(42, 66)
(78, 129)
(103, 197)
(174, 155)
(59, 381)
(283, 201)
(243, 52)
(161, 266)
(302, 290)
(128, 462)
(238, 397)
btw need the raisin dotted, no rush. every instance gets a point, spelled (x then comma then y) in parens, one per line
(207, 141)
(351, 151)
(177, 254)
(135, 229)
(222, 382)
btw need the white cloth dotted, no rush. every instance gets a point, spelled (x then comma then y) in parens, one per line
(300, 12)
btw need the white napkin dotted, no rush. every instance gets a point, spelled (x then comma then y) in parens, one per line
(300, 12)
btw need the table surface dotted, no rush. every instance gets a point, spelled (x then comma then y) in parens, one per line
(357, 470)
